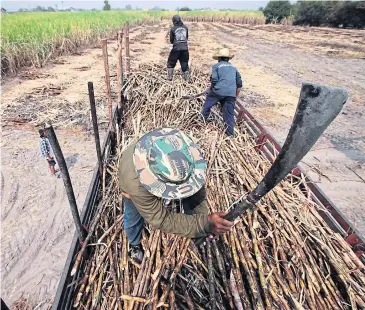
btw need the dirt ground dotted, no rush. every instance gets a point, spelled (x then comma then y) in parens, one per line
(36, 223)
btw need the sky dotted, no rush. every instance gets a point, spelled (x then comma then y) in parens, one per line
(15, 5)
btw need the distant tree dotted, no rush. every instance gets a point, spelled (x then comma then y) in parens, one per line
(348, 14)
(128, 7)
(22, 10)
(277, 10)
(330, 13)
(107, 6)
(50, 9)
(39, 8)
(315, 13)
(3, 10)
(156, 8)
(261, 8)
(185, 8)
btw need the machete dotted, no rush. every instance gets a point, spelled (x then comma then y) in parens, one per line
(318, 106)
(192, 97)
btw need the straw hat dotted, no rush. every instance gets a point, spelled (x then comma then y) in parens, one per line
(223, 52)
(168, 164)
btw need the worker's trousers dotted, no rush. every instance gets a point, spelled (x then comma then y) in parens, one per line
(181, 56)
(228, 104)
(134, 222)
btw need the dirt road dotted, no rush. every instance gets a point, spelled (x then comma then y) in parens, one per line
(273, 60)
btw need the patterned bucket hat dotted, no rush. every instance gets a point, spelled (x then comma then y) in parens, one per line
(168, 164)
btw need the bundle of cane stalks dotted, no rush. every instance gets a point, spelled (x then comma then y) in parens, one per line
(282, 256)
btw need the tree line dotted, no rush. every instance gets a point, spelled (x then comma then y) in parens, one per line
(347, 14)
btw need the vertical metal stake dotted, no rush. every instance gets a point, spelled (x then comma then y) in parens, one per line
(51, 135)
(3, 305)
(94, 118)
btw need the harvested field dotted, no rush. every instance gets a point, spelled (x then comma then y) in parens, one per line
(282, 256)
(58, 111)
(237, 17)
(315, 40)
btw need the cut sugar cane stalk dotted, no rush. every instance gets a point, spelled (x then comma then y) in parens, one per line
(303, 263)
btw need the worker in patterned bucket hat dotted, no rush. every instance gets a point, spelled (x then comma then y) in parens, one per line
(164, 171)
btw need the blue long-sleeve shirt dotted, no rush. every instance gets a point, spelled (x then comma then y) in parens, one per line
(225, 79)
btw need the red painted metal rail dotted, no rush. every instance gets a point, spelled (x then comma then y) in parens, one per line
(267, 145)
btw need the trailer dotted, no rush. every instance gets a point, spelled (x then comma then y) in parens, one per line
(267, 146)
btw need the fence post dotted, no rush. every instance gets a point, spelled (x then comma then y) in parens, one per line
(120, 71)
(104, 47)
(94, 119)
(127, 54)
(51, 135)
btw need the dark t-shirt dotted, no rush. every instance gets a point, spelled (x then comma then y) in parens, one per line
(179, 35)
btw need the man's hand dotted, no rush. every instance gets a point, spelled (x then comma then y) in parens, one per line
(217, 224)
(238, 91)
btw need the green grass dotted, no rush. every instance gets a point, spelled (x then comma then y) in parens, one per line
(33, 38)
(28, 38)
(37, 27)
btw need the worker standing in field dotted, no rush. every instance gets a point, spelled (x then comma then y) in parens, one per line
(179, 34)
(226, 83)
(46, 151)
(165, 170)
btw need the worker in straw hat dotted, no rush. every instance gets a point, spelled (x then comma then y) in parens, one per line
(162, 172)
(226, 83)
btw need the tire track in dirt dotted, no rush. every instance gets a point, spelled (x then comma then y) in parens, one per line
(31, 239)
(10, 201)
(2, 187)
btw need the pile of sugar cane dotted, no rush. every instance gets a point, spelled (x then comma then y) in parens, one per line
(283, 256)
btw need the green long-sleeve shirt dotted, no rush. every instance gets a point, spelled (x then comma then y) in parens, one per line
(151, 207)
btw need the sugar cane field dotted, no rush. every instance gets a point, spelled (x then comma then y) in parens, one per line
(274, 60)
